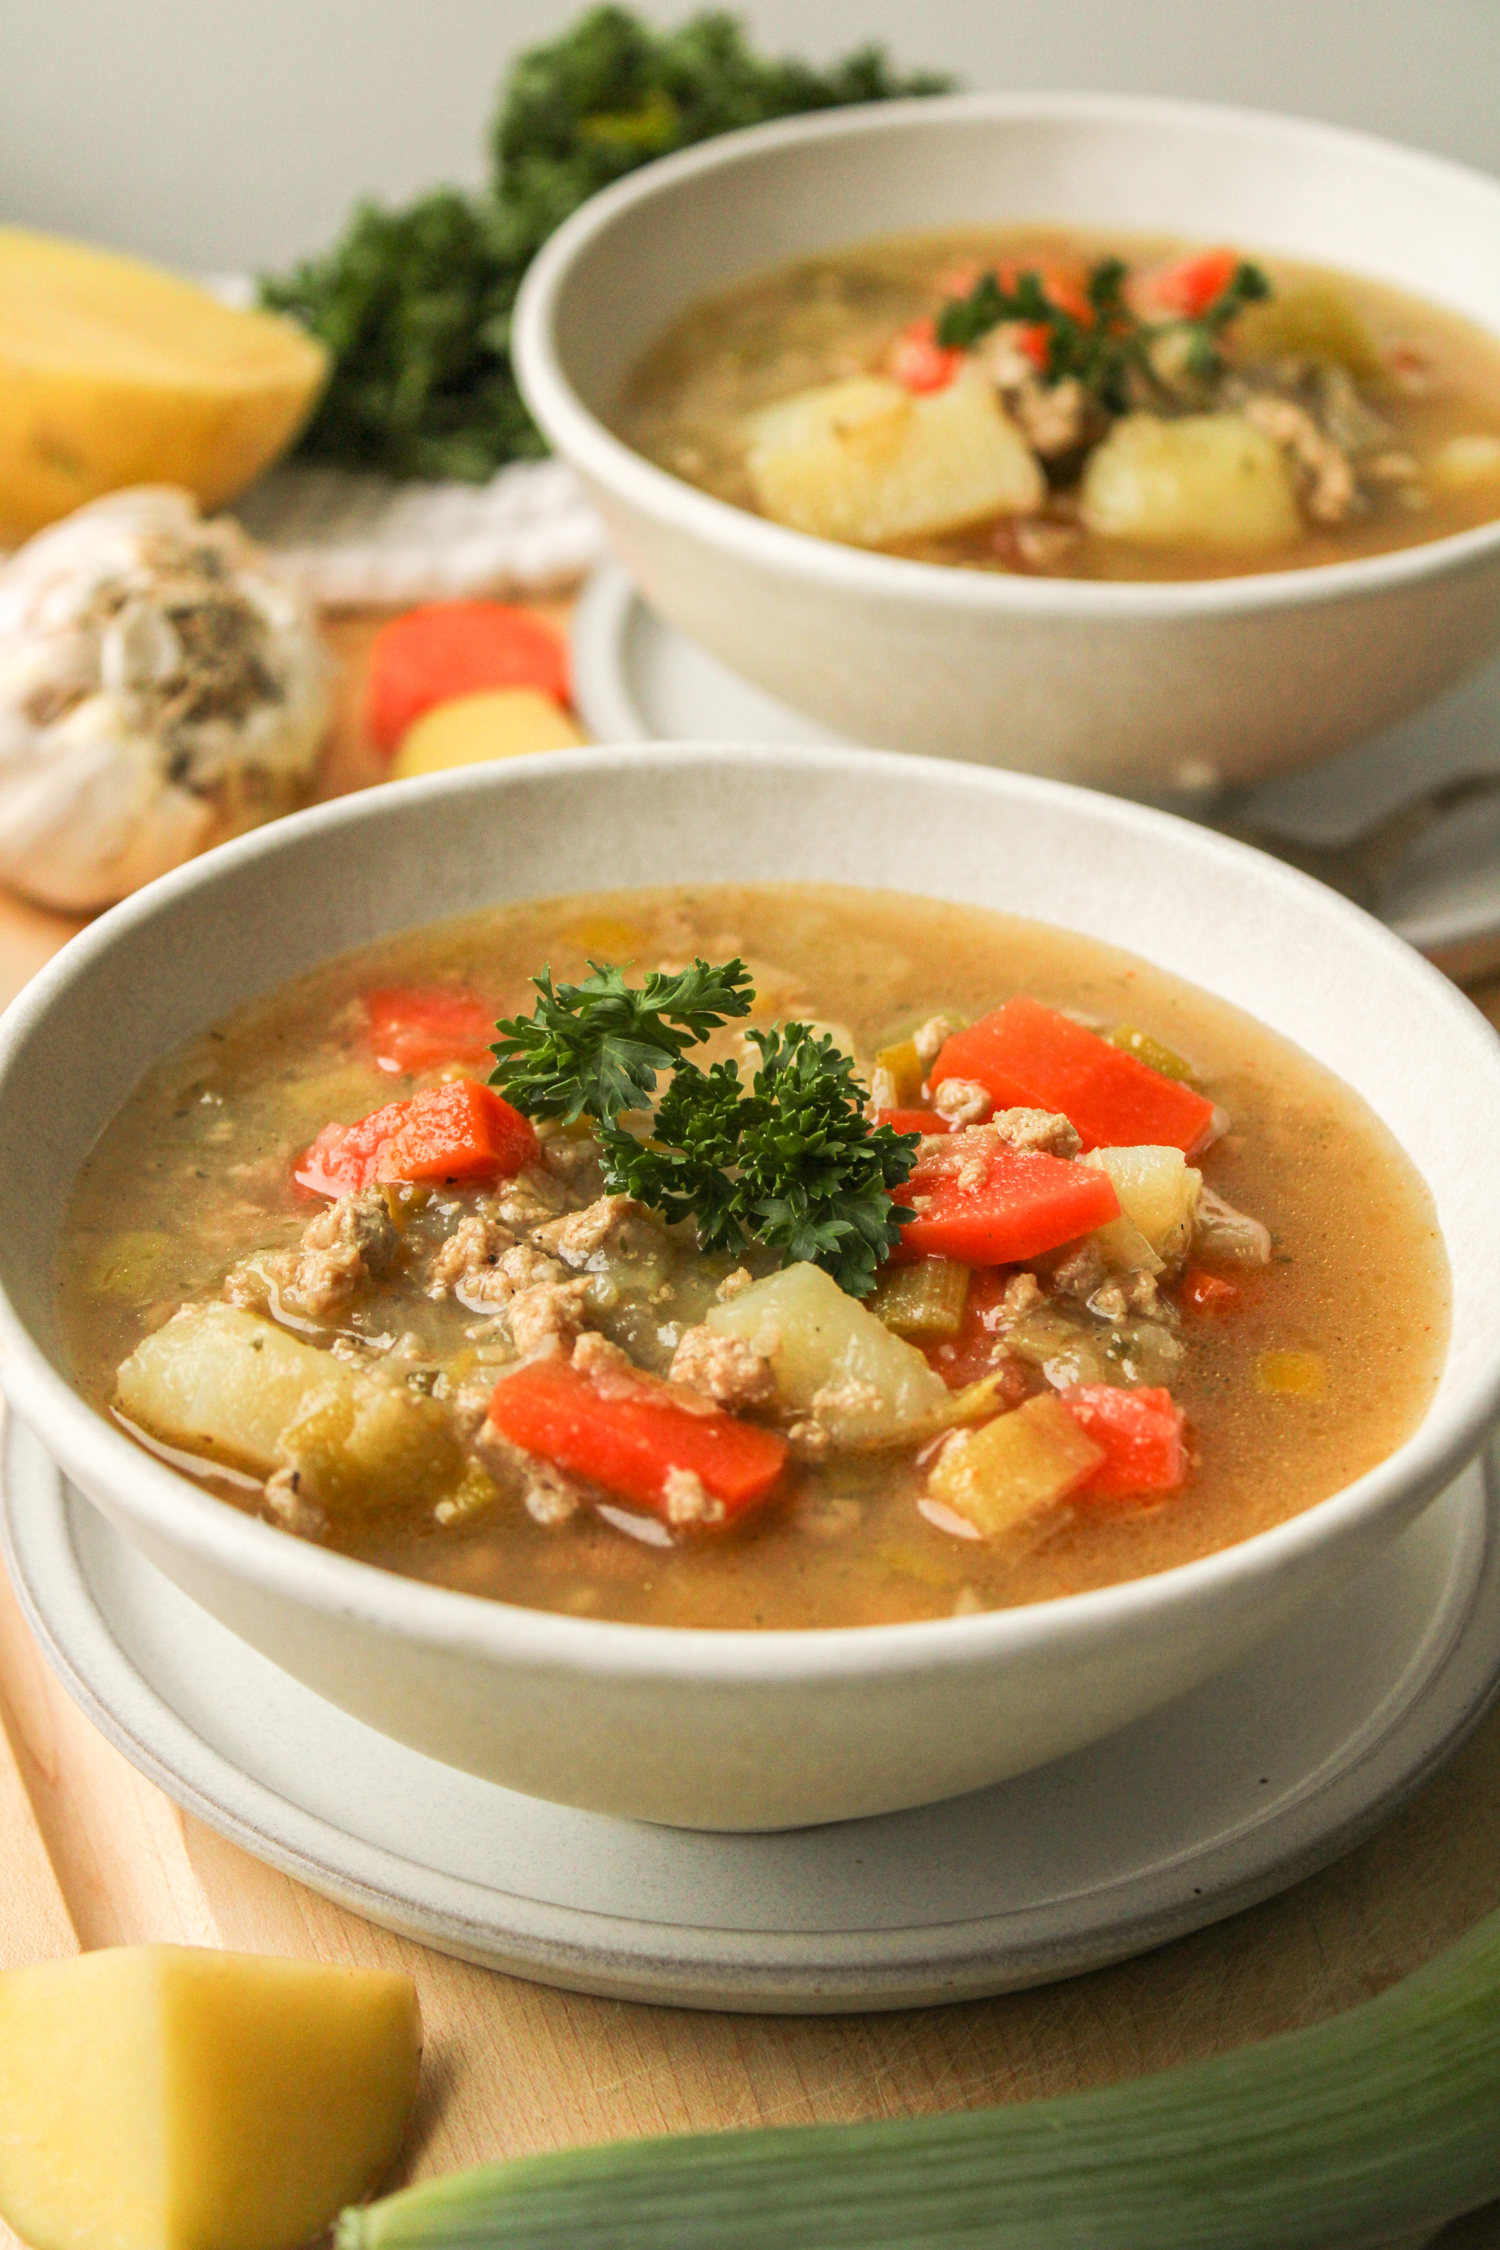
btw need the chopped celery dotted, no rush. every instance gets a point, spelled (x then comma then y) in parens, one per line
(926, 1298)
(904, 1074)
(1002, 1475)
(1290, 1374)
(1151, 1052)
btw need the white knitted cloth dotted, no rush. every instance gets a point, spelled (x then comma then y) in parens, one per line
(350, 540)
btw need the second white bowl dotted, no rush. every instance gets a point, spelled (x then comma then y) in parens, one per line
(1144, 689)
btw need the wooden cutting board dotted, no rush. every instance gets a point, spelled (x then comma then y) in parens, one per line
(93, 1854)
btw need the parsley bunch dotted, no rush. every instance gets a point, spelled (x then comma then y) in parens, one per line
(1110, 351)
(415, 305)
(791, 1163)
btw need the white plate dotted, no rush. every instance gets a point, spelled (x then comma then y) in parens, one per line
(1204, 1808)
(636, 679)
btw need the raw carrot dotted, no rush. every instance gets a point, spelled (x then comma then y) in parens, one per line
(448, 649)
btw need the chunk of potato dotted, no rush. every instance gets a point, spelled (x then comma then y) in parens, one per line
(833, 1358)
(1204, 480)
(1158, 1191)
(1002, 1476)
(1310, 320)
(470, 730)
(361, 1443)
(864, 461)
(163, 2097)
(1460, 463)
(226, 1381)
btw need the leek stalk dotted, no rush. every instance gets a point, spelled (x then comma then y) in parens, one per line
(1357, 2132)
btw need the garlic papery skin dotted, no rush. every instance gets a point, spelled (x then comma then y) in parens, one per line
(161, 689)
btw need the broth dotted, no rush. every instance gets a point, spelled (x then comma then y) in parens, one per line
(1386, 415)
(1324, 1362)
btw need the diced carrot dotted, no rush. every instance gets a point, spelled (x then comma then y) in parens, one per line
(632, 1440)
(455, 1133)
(1032, 1057)
(421, 1027)
(988, 1204)
(917, 360)
(449, 649)
(1206, 1292)
(977, 1349)
(1140, 1433)
(913, 1121)
(1188, 286)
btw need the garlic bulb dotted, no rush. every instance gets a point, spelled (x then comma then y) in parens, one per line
(160, 690)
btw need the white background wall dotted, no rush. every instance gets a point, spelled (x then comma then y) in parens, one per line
(232, 134)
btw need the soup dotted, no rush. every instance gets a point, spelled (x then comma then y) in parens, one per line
(1159, 1280)
(1065, 404)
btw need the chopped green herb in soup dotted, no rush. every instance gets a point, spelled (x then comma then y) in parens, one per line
(787, 1256)
(1063, 404)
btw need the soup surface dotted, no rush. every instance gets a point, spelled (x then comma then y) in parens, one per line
(330, 1355)
(1068, 404)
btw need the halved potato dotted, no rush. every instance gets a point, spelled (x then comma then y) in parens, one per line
(115, 373)
(1204, 480)
(863, 461)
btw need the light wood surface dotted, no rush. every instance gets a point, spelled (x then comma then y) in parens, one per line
(92, 1854)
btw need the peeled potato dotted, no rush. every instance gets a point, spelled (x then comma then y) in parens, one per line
(1462, 462)
(162, 2097)
(863, 461)
(499, 723)
(114, 373)
(1203, 480)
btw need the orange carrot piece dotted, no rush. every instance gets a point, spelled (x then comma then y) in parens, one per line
(631, 1441)
(448, 649)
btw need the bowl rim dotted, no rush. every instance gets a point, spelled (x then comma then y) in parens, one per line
(595, 451)
(172, 1506)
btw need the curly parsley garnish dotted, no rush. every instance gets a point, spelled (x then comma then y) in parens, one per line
(1111, 351)
(596, 1047)
(791, 1162)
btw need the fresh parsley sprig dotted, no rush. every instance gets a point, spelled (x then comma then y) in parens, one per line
(1113, 347)
(597, 1047)
(791, 1162)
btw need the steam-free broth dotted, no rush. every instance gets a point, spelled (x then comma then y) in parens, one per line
(1294, 1374)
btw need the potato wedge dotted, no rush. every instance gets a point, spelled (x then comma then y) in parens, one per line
(1207, 480)
(863, 461)
(163, 2097)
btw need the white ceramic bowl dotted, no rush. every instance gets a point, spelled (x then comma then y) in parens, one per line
(1145, 689)
(739, 1729)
